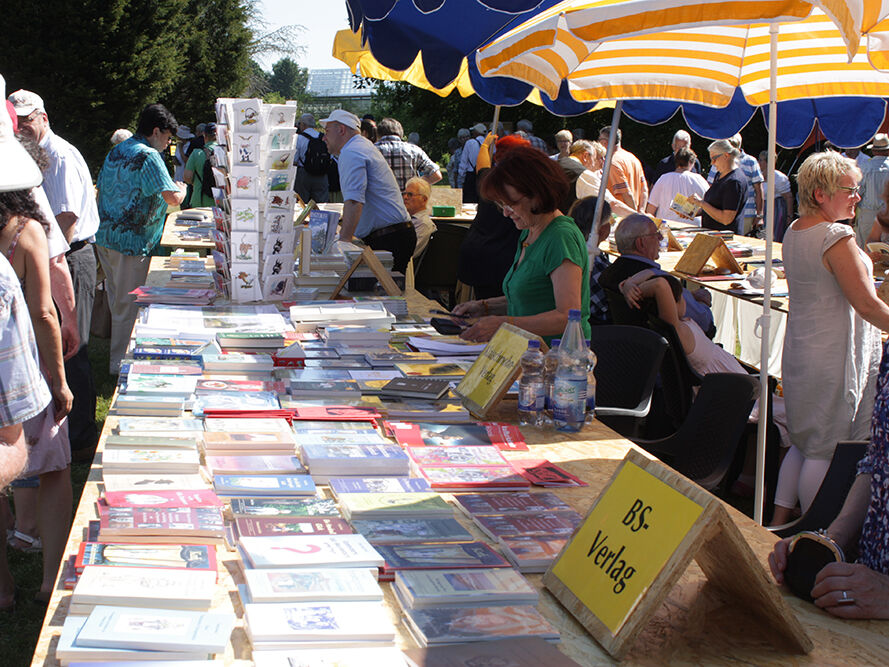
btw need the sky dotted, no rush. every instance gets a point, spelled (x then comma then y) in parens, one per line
(321, 21)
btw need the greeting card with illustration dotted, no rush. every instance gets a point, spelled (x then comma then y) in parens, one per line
(245, 149)
(281, 200)
(245, 247)
(280, 180)
(222, 135)
(277, 288)
(277, 265)
(281, 115)
(245, 215)
(279, 159)
(244, 182)
(245, 283)
(277, 221)
(247, 115)
(279, 244)
(282, 139)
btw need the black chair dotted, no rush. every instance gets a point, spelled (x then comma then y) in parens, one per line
(628, 361)
(704, 446)
(678, 379)
(436, 274)
(833, 490)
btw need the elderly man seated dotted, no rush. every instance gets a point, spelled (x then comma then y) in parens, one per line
(416, 201)
(638, 242)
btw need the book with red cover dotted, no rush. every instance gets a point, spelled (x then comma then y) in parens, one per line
(529, 525)
(162, 555)
(502, 436)
(250, 414)
(269, 526)
(335, 413)
(147, 524)
(162, 499)
(541, 472)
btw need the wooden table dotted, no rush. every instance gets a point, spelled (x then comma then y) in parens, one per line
(696, 624)
(172, 235)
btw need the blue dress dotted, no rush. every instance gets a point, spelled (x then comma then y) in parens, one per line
(874, 544)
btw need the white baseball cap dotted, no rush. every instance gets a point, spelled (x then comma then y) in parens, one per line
(25, 102)
(17, 170)
(347, 118)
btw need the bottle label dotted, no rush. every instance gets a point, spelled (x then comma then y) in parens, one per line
(569, 399)
(531, 397)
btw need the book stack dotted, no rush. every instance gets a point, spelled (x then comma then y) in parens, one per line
(463, 468)
(457, 625)
(424, 589)
(531, 528)
(327, 459)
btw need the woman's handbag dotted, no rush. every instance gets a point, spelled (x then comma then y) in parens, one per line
(808, 553)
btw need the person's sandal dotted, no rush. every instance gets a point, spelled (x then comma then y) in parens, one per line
(24, 542)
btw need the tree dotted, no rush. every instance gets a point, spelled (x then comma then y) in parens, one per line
(289, 79)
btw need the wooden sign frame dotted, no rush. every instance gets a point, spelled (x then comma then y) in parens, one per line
(368, 257)
(496, 368)
(712, 540)
(705, 247)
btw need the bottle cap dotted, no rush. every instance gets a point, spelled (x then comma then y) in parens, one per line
(555, 342)
(533, 344)
(574, 314)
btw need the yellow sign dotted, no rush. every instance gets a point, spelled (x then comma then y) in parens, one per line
(495, 369)
(624, 543)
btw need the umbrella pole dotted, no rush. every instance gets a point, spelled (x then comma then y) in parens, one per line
(765, 320)
(606, 168)
(496, 120)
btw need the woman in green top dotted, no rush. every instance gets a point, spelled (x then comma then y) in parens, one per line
(550, 274)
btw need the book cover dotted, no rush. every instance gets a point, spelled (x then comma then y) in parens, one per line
(283, 507)
(156, 630)
(462, 478)
(226, 440)
(415, 387)
(338, 459)
(235, 400)
(145, 587)
(455, 625)
(153, 460)
(453, 370)
(255, 464)
(172, 368)
(186, 442)
(427, 556)
(336, 413)
(151, 426)
(310, 551)
(525, 652)
(147, 521)
(248, 425)
(162, 499)
(529, 525)
(152, 482)
(541, 472)
(311, 585)
(502, 436)
(179, 385)
(394, 505)
(210, 385)
(340, 437)
(533, 554)
(264, 485)
(421, 589)
(456, 456)
(510, 503)
(121, 554)
(408, 530)
(324, 388)
(340, 485)
(307, 621)
(267, 526)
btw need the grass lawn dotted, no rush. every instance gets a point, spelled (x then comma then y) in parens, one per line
(19, 631)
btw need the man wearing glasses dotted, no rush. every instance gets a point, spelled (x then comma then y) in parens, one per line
(416, 201)
(135, 189)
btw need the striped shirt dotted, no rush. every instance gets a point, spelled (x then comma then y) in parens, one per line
(23, 391)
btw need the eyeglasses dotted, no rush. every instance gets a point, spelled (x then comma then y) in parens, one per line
(411, 195)
(854, 189)
(30, 118)
(714, 158)
(509, 205)
(659, 235)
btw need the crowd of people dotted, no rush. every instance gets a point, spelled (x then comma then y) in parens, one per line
(529, 256)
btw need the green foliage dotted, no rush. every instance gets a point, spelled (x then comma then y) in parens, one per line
(289, 79)
(97, 63)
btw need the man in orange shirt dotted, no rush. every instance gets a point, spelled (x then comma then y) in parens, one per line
(626, 179)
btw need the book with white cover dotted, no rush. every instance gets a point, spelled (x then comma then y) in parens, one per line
(310, 551)
(383, 656)
(148, 481)
(168, 385)
(161, 630)
(145, 587)
(68, 651)
(439, 588)
(158, 426)
(312, 585)
(307, 621)
(113, 441)
(151, 460)
(355, 459)
(248, 425)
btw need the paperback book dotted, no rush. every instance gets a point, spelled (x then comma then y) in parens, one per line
(283, 464)
(312, 585)
(167, 556)
(457, 625)
(146, 524)
(308, 621)
(510, 503)
(162, 499)
(310, 551)
(268, 526)
(264, 485)
(453, 588)
(473, 478)
(144, 587)
(340, 485)
(401, 531)
(283, 507)
(413, 505)
(430, 556)
(529, 525)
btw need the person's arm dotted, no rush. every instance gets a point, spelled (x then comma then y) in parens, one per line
(349, 222)
(631, 287)
(842, 259)
(567, 279)
(722, 216)
(188, 177)
(62, 289)
(67, 220)
(432, 177)
(174, 198)
(788, 207)
(481, 307)
(38, 296)
(13, 453)
(757, 197)
(485, 157)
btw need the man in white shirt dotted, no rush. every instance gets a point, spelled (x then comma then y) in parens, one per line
(72, 196)
(468, 161)
(416, 201)
(680, 181)
(874, 176)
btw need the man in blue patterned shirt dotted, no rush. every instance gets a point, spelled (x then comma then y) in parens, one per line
(135, 189)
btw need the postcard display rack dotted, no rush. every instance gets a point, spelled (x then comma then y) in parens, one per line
(260, 140)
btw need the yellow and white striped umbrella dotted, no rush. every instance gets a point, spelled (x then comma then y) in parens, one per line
(699, 64)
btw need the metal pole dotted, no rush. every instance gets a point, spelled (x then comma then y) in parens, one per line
(615, 121)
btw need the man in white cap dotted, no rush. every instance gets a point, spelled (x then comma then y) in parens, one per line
(72, 197)
(468, 161)
(373, 210)
(873, 179)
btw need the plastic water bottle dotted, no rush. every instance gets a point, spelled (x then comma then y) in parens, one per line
(550, 363)
(590, 382)
(531, 393)
(569, 385)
